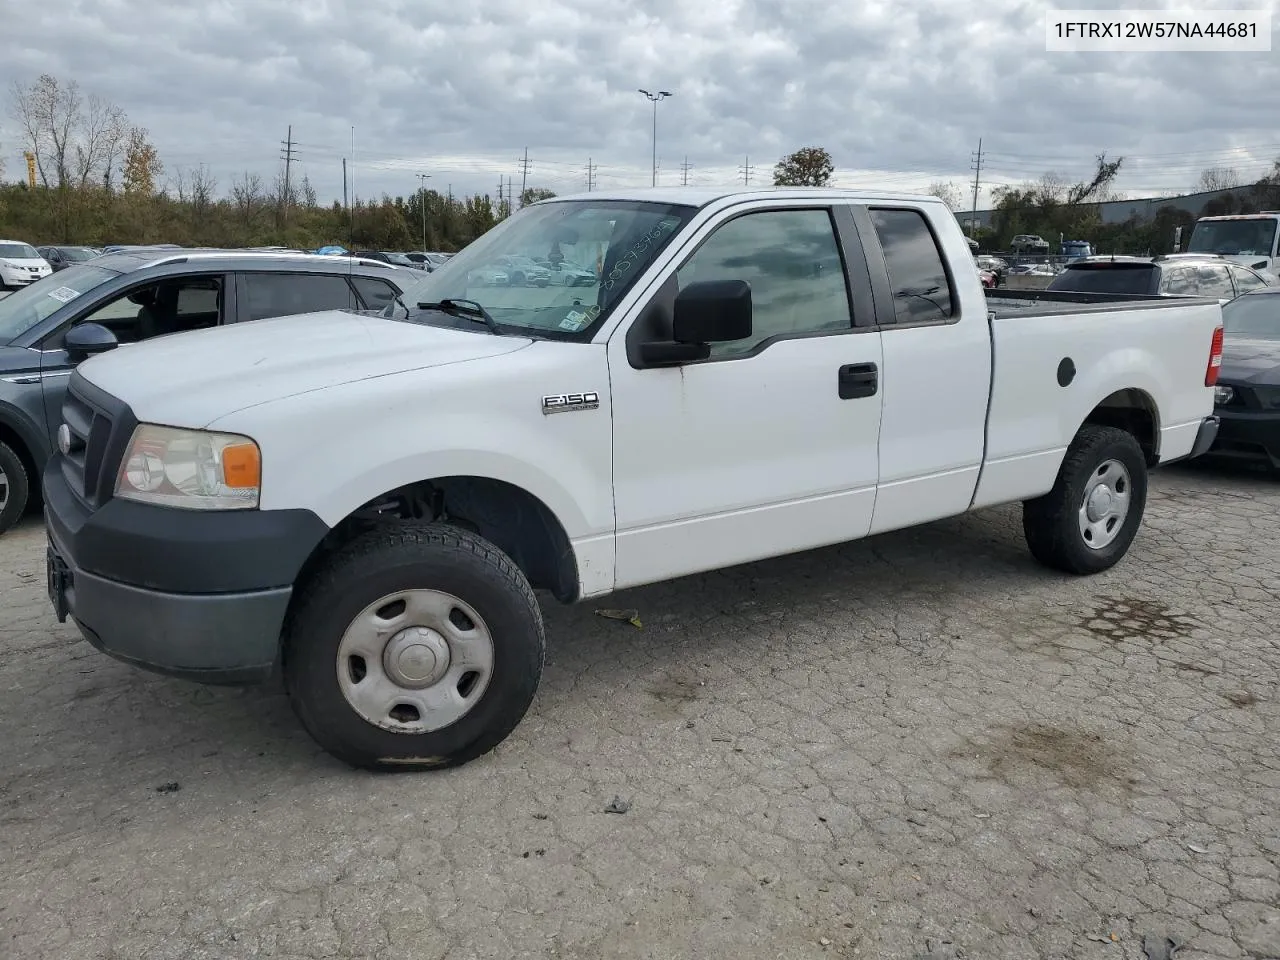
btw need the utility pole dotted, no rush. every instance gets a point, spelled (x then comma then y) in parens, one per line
(510, 205)
(501, 205)
(654, 98)
(591, 175)
(287, 157)
(684, 173)
(422, 199)
(977, 173)
(746, 170)
(524, 176)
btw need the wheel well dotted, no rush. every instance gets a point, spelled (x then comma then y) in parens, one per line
(1133, 411)
(13, 440)
(512, 519)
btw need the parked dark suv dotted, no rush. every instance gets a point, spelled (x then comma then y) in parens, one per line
(121, 298)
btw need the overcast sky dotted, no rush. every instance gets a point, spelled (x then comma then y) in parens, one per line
(899, 92)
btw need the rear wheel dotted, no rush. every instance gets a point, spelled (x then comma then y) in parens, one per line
(14, 487)
(416, 646)
(1087, 522)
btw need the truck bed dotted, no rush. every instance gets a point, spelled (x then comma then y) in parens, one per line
(1044, 303)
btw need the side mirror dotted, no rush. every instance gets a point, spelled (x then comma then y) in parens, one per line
(707, 312)
(87, 339)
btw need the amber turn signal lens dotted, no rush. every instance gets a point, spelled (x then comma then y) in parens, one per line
(241, 466)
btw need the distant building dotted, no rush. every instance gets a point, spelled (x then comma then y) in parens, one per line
(1143, 209)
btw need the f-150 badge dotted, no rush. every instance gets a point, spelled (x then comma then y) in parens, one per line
(565, 402)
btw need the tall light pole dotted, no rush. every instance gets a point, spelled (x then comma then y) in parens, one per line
(421, 199)
(654, 98)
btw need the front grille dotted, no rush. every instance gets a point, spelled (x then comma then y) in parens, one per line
(85, 464)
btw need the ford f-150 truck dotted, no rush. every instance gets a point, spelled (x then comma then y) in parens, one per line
(364, 503)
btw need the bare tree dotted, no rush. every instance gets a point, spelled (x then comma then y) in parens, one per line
(1218, 178)
(948, 193)
(75, 139)
(248, 198)
(308, 193)
(1098, 188)
(284, 194)
(49, 115)
(194, 188)
(204, 186)
(104, 136)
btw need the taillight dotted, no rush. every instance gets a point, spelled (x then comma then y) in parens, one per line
(1215, 359)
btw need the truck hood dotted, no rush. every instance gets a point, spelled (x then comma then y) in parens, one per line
(191, 379)
(1250, 361)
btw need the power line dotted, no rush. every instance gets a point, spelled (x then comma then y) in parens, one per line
(977, 173)
(422, 201)
(288, 145)
(524, 176)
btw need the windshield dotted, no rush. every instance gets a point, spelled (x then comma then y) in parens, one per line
(1235, 238)
(1255, 315)
(618, 239)
(1135, 278)
(21, 311)
(78, 253)
(18, 251)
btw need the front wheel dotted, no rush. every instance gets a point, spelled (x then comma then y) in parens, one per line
(420, 645)
(1087, 522)
(14, 489)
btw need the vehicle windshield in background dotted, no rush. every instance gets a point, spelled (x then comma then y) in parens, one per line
(77, 254)
(21, 311)
(518, 270)
(1256, 316)
(1235, 238)
(18, 251)
(1112, 278)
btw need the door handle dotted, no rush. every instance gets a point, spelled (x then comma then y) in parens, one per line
(856, 380)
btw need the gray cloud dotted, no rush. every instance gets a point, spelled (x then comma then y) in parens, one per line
(898, 92)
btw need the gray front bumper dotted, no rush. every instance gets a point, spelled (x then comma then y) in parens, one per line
(211, 638)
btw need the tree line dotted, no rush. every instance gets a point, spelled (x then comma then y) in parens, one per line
(1053, 206)
(99, 180)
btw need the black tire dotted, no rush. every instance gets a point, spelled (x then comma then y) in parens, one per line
(426, 555)
(14, 487)
(516, 278)
(1051, 523)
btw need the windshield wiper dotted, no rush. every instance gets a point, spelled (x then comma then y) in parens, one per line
(465, 308)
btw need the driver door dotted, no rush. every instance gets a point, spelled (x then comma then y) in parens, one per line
(771, 445)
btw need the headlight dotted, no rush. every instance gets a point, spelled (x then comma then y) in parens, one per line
(191, 469)
(1223, 395)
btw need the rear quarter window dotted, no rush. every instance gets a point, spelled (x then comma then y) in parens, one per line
(917, 275)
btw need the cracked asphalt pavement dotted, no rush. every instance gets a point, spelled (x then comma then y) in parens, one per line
(917, 746)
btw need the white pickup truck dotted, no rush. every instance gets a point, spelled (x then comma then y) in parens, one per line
(366, 503)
